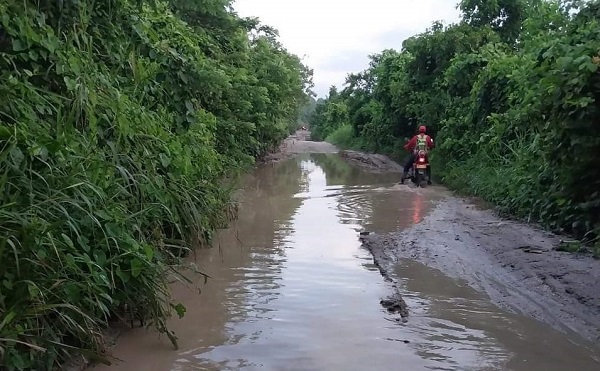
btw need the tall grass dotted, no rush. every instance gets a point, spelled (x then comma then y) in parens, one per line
(343, 137)
(121, 131)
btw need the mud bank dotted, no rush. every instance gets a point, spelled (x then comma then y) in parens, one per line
(515, 264)
(371, 162)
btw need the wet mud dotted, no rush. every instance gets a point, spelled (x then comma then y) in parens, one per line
(516, 265)
(371, 162)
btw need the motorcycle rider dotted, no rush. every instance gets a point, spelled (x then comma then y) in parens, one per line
(419, 142)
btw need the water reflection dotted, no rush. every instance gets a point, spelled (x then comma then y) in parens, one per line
(375, 202)
(330, 303)
(292, 289)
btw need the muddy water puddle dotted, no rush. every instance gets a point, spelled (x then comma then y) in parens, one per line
(292, 289)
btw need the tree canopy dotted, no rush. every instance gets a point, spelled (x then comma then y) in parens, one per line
(511, 94)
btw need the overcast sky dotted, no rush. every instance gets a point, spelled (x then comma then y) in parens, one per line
(335, 37)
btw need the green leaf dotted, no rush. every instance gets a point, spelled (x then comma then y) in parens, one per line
(102, 214)
(70, 83)
(124, 276)
(164, 160)
(180, 309)
(149, 251)
(42, 255)
(136, 267)
(68, 240)
(564, 61)
(189, 105)
(18, 45)
(33, 290)
(592, 67)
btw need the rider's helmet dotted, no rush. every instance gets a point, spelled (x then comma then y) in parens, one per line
(422, 129)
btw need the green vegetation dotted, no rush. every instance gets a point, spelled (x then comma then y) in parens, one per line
(343, 137)
(511, 95)
(306, 112)
(122, 125)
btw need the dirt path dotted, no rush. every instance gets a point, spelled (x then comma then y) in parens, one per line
(299, 143)
(517, 265)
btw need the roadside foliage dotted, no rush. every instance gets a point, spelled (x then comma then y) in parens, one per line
(511, 95)
(123, 124)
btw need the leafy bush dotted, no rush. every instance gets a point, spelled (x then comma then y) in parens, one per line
(343, 137)
(121, 122)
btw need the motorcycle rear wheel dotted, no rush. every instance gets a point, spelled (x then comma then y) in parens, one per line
(420, 180)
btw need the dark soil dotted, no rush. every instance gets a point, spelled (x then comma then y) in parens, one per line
(515, 264)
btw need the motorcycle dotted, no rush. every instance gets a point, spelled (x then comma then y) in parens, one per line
(418, 172)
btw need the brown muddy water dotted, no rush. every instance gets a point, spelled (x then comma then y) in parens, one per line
(292, 289)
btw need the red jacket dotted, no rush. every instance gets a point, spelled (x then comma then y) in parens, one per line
(413, 143)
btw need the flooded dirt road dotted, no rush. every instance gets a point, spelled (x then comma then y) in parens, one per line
(293, 288)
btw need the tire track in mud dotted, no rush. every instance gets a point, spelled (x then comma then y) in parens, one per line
(393, 303)
(515, 264)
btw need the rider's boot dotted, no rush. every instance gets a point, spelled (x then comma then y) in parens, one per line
(404, 176)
